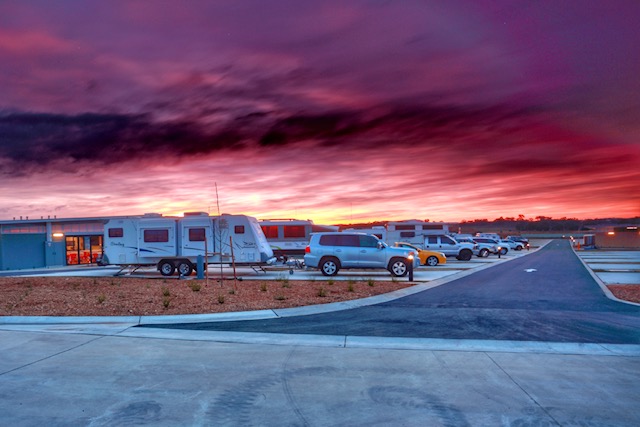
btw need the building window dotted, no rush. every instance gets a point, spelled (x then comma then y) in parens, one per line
(156, 236)
(196, 235)
(407, 234)
(23, 229)
(116, 232)
(238, 229)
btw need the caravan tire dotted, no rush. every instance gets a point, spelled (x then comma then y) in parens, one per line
(185, 269)
(166, 268)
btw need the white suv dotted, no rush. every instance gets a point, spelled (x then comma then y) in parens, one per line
(333, 251)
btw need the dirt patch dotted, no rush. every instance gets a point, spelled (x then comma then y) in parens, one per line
(111, 296)
(626, 292)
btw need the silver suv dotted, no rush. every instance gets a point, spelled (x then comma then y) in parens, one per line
(450, 247)
(334, 250)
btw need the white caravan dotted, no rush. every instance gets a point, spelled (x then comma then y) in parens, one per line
(377, 230)
(290, 237)
(173, 243)
(413, 231)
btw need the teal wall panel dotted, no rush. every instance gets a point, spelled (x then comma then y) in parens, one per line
(18, 251)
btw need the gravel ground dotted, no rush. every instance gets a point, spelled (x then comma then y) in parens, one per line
(110, 296)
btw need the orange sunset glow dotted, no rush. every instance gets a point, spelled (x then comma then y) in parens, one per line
(331, 111)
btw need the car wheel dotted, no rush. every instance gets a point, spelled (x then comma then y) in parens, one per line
(484, 252)
(518, 248)
(167, 268)
(398, 267)
(432, 261)
(465, 255)
(184, 269)
(504, 251)
(329, 267)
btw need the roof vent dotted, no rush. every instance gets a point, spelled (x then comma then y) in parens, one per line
(196, 214)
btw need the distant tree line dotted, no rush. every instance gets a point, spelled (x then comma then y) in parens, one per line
(523, 224)
(546, 223)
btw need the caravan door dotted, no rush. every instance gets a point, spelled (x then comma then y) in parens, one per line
(156, 239)
(194, 234)
(237, 229)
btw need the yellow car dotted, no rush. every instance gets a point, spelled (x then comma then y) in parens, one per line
(430, 258)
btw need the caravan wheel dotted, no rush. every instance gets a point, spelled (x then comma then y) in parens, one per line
(166, 268)
(185, 269)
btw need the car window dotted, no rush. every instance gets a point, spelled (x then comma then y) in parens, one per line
(433, 240)
(368, 242)
(328, 240)
(348, 240)
(447, 240)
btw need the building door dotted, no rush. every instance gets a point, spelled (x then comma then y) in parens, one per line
(83, 249)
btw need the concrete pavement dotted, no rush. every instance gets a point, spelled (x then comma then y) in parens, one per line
(99, 379)
(109, 373)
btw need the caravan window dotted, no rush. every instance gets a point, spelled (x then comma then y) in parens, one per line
(156, 235)
(238, 229)
(407, 234)
(270, 231)
(405, 227)
(196, 234)
(432, 227)
(294, 231)
(116, 232)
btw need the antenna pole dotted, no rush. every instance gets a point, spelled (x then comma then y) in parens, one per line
(217, 199)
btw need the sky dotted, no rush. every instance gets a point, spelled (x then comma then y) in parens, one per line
(335, 111)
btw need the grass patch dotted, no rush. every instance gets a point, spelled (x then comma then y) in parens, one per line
(280, 297)
(220, 299)
(101, 298)
(166, 302)
(285, 282)
(263, 287)
(321, 292)
(371, 283)
(195, 287)
(350, 288)
(166, 292)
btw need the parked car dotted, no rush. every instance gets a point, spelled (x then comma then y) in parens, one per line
(493, 236)
(518, 246)
(430, 258)
(450, 247)
(487, 246)
(523, 240)
(332, 251)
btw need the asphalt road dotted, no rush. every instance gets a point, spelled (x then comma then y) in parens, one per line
(546, 296)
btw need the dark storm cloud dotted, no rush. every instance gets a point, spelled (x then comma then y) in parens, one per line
(52, 140)
(60, 142)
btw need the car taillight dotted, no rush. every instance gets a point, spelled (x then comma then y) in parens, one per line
(307, 250)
